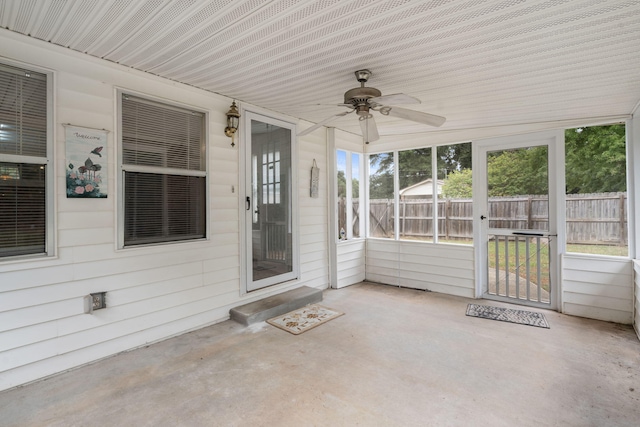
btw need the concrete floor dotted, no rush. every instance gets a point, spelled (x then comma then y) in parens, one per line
(398, 357)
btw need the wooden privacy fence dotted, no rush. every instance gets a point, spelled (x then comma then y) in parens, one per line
(598, 219)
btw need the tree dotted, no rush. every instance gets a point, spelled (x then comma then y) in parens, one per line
(342, 184)
(451, 158)
(415, 165)
(458, 185)
(381, 176)
(595, 159)
(518, 172)
(381, 186)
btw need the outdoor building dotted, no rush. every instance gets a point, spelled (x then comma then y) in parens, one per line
(423, 189)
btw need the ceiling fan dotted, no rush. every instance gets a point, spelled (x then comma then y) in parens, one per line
(363, 100)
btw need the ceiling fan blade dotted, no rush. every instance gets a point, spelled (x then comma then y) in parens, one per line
(395, 99)
(369, 129)
(416, 116)
(322, 123)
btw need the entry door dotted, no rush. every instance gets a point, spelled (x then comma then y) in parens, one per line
(517, 189)
(269, 202)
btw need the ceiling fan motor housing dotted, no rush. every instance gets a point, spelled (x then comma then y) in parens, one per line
(359, 98)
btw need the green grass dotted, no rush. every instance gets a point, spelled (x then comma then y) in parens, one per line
(599, 250)
(521, 260)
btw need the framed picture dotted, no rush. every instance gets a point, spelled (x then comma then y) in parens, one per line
(86, 157)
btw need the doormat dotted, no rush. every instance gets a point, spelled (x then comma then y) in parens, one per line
(520, 317)
(303, 319)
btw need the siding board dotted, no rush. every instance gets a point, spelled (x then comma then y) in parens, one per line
(598, 288)
(351, 262)
(603, 302)
(28, 316)
(608, 315)
(36, 277)
(437, 267)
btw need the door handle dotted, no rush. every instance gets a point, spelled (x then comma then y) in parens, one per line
(248, 201)
(519, 233)
(483, 217)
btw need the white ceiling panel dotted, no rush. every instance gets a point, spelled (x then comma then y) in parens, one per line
(479, 63)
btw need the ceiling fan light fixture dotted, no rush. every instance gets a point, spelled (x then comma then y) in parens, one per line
(363, 111)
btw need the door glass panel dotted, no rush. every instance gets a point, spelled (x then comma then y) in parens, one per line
(518, 188)
(271, 207)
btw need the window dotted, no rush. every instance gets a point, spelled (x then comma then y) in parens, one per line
(24, 158)
(342, 194)
(427, 177)
(271, 175)
(355, 194)
(164, 172)
(455, 199)
(416, 194)
(349, 178)
(596, 196)
(381, 195)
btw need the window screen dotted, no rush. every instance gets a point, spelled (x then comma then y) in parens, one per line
(163, 159)
(23, 160)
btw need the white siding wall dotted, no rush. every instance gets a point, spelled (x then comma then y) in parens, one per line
(314, 256)
(154, 292)
(351, 262)
(441, 268)
(598, 288)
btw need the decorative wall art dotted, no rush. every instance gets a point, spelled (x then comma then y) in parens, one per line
(315, 179)
(86, 158)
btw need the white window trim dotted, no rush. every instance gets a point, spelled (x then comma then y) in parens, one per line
(119, 92)
(49, 161)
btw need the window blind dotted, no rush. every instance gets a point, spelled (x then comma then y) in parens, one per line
(23, 112)
(160, 203)
(23, 132)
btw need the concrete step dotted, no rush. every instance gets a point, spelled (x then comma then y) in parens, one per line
(275, 305)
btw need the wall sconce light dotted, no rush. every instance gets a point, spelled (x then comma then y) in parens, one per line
(233, 121)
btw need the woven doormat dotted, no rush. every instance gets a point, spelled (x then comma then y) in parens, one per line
(305, 318)
(520, 317)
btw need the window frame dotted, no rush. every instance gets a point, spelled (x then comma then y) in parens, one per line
(122, 168)
(434, 176)
(630, 193)
(349, 194)
(48, 161)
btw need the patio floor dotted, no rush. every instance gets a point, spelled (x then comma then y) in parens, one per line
(398, 357)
